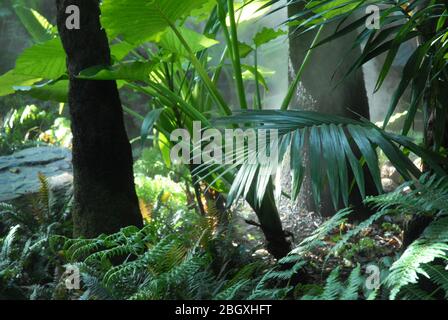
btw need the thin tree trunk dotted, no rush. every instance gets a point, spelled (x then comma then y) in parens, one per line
(104, 190)
(268, 216)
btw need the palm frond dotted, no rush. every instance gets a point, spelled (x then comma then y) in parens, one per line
(400, 23)
(333, 143)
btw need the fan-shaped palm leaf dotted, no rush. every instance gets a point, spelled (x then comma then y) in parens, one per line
(332, 144)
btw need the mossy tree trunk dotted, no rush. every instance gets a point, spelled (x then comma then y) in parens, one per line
(104, 190)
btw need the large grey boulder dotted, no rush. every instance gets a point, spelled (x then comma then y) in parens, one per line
(19, 172)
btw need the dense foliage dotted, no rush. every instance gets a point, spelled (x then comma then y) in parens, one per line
(191, 65)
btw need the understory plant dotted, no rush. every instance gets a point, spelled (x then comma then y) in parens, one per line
(30, 126)
(418, 272)
(181, 253)
(30, 264)
(173, 62)
(138, 264)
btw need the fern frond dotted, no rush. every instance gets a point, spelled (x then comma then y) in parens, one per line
(354, 283)
(270, 294)
(332, 286)
(8, 241)
(427, 196)
(95, 289)
(355, 231)
(431, 245)
(438, 275)
(320, 233)
(407, 268)
(83, 247)
(230, 292)
(44, 194)
(414, 292)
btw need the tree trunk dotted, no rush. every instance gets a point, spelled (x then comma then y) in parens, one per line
(321, 91)
(267, 213)
(104, 190)
(435, 104)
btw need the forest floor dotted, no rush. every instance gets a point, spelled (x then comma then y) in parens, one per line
(376, 245)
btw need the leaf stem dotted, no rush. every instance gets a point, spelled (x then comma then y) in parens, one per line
(292, 89)
(236, 61)
(201, 71)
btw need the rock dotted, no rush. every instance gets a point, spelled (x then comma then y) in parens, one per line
(390, 172)
(388, 185)
(391, 178)
(19, 171)
(261, 253)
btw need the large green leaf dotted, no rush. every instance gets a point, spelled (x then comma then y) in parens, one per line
(11, 79)
(249, 74)
(47, 60)
(130, 71)
(120, 50)
(144, 20)
(37, 25)
(244, 49)
(266, 35)
(51, 91)
(148, 123)
(44, 60)
(330, 154)
(196, 41)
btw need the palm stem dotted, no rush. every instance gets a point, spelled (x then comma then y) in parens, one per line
(257, 84)
(236, 62)
(293, 87)
(201, 71)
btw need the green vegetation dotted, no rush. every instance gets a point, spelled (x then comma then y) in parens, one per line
(199, 239)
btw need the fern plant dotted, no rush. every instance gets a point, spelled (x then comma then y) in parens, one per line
(426, 197)
(335, 289)
(29, 261)
(136, 264)
(419, 272)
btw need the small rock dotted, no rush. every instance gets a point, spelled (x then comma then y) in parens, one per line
(388, 185)
(261, 253)
(390, 172)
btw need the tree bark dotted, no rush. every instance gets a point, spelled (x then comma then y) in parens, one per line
(321, 91)
(268, 216)
(104, 190)
(435, 104)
